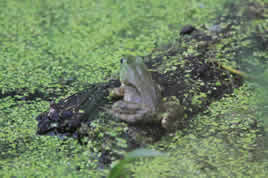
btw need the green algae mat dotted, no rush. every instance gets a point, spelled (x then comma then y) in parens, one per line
(51, 50)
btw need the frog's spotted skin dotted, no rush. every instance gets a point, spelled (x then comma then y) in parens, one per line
(142, 101)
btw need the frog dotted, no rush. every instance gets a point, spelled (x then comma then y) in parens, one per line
(142, 101)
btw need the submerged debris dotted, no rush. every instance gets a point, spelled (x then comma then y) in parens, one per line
(192, 79)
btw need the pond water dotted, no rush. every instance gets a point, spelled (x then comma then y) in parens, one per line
(52, 49)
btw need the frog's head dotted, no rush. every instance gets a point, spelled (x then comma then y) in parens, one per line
(133, 70)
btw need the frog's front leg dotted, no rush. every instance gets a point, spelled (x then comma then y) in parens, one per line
(117, 92)
(130, 112)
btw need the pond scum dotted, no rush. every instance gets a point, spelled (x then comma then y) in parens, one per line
(53, 49)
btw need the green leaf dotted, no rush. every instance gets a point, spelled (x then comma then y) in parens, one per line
(119, 171)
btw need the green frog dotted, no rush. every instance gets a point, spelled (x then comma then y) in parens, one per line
(142, 101)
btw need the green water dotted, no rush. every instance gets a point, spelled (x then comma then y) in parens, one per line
(46, 44)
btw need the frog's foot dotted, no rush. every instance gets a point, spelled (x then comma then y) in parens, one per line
(167, 122)
(170, 123)
(173, 116)
(130, 112)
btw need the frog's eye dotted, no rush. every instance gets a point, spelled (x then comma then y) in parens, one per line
(122, 60)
